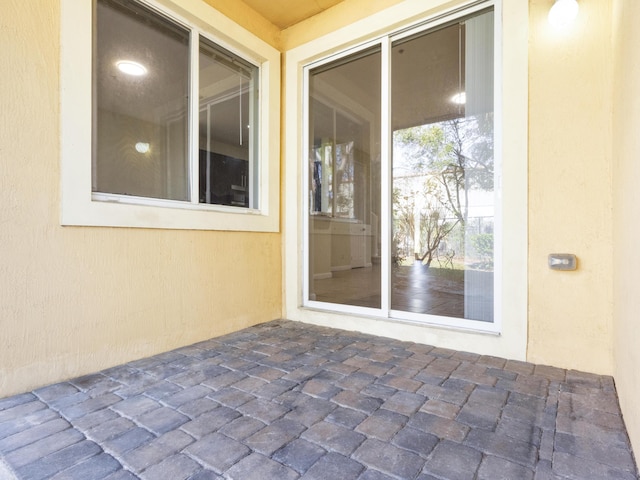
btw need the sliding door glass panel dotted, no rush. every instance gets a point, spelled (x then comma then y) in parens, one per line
(443, 171)
(344, 181)
(228, 127)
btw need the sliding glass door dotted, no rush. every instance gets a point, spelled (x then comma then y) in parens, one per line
(401, 176)
(344, 181)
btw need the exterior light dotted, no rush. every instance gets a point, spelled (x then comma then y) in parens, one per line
(142, 147)
(131, 68)
(563, 13)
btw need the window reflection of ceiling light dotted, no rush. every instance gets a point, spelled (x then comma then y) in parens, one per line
(142, 147)
(131, 68)
(459, 98)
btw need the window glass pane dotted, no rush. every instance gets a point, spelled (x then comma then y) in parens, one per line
(443, 171)
(344, 181)
(228, 128)
(141, 98)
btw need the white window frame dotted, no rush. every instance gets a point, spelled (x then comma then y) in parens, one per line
(506, 337)
(81, 207)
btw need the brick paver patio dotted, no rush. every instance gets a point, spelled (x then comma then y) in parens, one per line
(285, 400)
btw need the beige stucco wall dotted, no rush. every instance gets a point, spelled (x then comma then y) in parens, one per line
(570, 190)
(626, 175)
(76, 300)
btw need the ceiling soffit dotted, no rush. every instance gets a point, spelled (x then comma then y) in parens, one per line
(285, 13)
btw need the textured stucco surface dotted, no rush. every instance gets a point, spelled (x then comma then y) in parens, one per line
(570, 189)
(626, 263)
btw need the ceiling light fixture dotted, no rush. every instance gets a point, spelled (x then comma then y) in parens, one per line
(563, 13)
(459, 98)
(131, 68)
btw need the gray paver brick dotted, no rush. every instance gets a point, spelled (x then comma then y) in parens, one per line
(59, 460)
(274, 389)
(19, 424)
(205, 475)
(440, 408)
(346, 417)
(382, 424)
(95, 418)
(210, 421)
(509, 448)
(43, 447)
(109, 429)
(217, 451)
(370, 474)
(89, 405)
(449, 395)
(10, 402)
(197, 407)
(591, 449)
(94, 468)
(334, 437)
(336, 466)
(576, 468)
(480, 415)
(299, 455)
(274, 436)
(122, 475)
(161, 390)
(162, 420)
(389, 459)
(231, 397)
(263, 410)
(128, 440)
(453, 461)
(404, 402)
(441, 427)
(376, 390)
(55, 391)
(522, 431)
(175, 467)
(320, 388)
(32, 434)
(258, 467)
(224, 380)
(156, 450)
(242, 427)
(135, 406)
(357, 402)
(416, 441)
(356, 381)
(87, 382)
(401, 383)
(20, 409)
(311, 411)
(494, 468)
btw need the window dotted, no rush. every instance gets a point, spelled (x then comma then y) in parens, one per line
(167, 123)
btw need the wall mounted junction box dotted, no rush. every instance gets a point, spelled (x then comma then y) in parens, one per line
(562, 261)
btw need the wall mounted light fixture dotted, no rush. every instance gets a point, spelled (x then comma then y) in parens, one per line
(563, 13)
